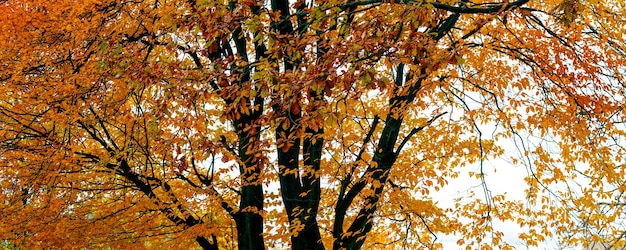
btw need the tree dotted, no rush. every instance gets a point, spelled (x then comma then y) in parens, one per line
(254, 124)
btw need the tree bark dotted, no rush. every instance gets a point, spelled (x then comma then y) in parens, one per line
(205, 244)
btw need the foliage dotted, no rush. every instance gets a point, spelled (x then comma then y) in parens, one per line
(332, 124)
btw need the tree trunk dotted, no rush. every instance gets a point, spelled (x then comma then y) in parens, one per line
(205, 244)
(249, 230)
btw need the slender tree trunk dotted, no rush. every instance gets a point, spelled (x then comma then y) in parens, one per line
(205, 244)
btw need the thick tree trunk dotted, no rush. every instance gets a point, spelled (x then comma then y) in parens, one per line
(300, 193)
(249, 231)
(248, 219)
(309, 238)
(300, 185)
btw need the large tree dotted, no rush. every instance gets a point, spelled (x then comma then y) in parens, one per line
(310, 124)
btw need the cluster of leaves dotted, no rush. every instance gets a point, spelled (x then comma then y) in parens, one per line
(331, 124)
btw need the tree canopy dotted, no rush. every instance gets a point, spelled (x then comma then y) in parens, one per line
(310, 124)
